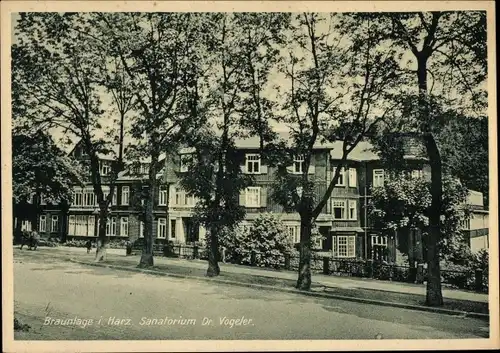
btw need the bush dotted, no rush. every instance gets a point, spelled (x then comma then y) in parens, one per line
(458, 276)
(267, 239)
(117, 244)
(18, 326)
(48, 243)
(77, 243)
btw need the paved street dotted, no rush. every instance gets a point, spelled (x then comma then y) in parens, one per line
(122, 305)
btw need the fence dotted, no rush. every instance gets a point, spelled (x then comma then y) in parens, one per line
(471, 280)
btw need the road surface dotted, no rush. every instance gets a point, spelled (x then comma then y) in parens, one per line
(67, 301)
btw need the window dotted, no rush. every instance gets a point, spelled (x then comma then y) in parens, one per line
(172, 228)
(294, 233)
(341, 181)
(111, 226)
(182, 198)
(88, 198)
(162, 200)
(186, 159)
(124, 227)
(253, 163)
(43, 224)
(91, 227)
(114, 198)
(344, 246)
(298, 165)
(105, 168)
(71, 225)
(162, 228)
(81, 225)
(378, 177)
(380, 240)
(339, 209)
(26, 225)
(353, 212)
(125, 195)
(253, 197)
(141, 230)
(78, 197)
(54, 224)
(352, 177)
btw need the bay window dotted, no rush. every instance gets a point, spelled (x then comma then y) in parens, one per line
(344, 246)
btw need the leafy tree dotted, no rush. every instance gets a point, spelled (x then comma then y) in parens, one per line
(241, 54)
(267, 237)
(464, 146)
(342, 84)
(159, 52)
(59, 83)
(40, 168)
(404, 202)
(448, 66)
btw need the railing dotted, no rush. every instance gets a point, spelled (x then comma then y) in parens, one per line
(471, 280)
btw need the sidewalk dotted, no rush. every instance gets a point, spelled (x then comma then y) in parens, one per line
(318, 279)
(367, 291)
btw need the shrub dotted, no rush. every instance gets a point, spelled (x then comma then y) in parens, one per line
(267, 239)
(77, 243)
(48, 243)
(458, 276)
(18, 326)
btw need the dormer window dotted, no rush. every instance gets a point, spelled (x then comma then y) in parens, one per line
(105, 168)
(298, 165)
(252, 163)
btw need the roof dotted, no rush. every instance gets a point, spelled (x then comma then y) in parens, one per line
(363, 151)
(253, 142)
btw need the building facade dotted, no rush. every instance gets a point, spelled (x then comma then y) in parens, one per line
(343, 222)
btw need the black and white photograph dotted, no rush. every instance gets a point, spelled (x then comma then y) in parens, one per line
(248, 172)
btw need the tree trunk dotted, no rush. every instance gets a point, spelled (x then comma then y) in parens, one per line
(63, 227)
(147, 249)
(102, 239)
(213, 269)
(434, 295)
(304, 280)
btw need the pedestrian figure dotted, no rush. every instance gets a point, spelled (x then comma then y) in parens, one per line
(128, 245)
(88, 245)
(33, 240)
(223, 254)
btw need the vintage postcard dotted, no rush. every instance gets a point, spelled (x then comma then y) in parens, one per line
(249, 176)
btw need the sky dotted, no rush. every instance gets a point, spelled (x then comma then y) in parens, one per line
(275, 78)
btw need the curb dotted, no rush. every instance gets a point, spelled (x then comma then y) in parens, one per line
(462, 314)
